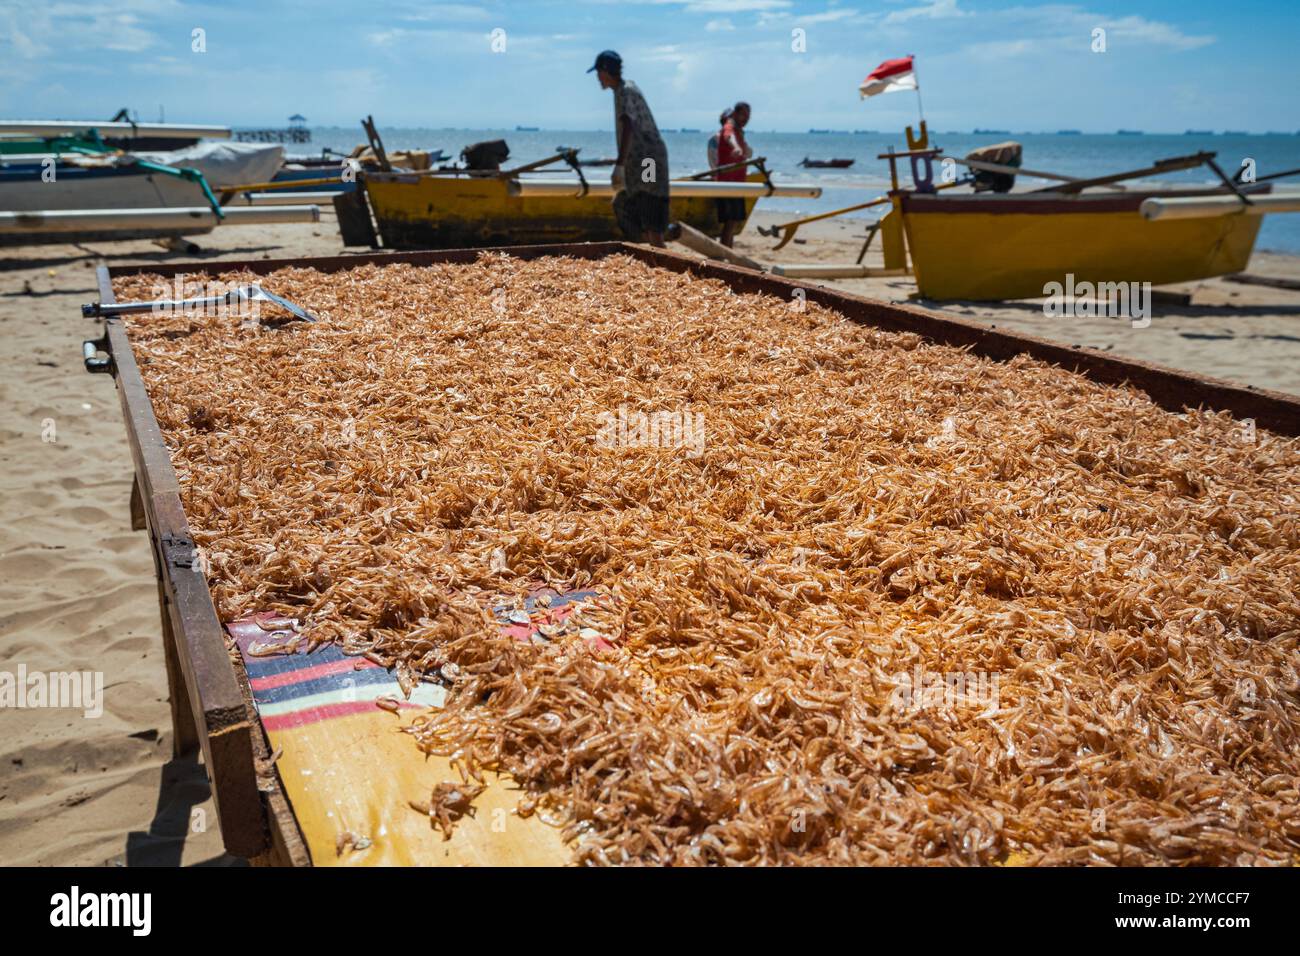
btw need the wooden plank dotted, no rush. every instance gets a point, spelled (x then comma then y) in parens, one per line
(829, 270)
(185, 733)
(1245, 278)
(138, 521)
(286, 845)
(353, 214)
(200, 673)
(692, 238)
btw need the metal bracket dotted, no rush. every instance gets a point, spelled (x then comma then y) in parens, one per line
(90, 350)
(178, 552)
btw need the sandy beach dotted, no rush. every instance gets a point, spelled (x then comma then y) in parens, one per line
(77, 585)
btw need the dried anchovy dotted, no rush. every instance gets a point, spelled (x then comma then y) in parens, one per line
(866, 507)
(448, 803)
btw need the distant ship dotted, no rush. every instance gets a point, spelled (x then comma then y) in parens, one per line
(864, 132)
(527, 129)
(685, 130)
(1069, 132)
(1235, 132)
(1199, 132)
(992, 132)
(826, 163)
(1129, 132)
(819, 131)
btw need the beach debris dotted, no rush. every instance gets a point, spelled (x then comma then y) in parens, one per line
(830, 640)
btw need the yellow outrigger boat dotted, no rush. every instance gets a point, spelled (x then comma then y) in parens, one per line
(450, 212)
(1002, 245)
(468, 207)
(993, 244)
(1011, 247)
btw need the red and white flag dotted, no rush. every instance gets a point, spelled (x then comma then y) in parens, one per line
(890, 77)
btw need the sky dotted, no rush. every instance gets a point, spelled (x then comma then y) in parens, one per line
(1167, 65)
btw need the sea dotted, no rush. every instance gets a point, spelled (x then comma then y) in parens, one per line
(1069, 154)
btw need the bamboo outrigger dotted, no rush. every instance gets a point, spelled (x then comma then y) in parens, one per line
(270, 809)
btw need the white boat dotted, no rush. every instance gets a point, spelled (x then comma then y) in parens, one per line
(55, 181)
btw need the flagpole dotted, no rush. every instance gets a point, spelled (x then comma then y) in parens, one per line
(917, 77)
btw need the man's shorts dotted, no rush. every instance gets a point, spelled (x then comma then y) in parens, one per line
(639, 213)
(731, 210)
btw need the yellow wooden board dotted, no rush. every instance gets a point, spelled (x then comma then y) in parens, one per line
(358, 774)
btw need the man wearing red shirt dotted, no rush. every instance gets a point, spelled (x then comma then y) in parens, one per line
(732, 148)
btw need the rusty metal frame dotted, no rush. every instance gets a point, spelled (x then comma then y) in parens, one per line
(211, 700)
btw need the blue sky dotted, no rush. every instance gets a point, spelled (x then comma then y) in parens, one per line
(1168, 64)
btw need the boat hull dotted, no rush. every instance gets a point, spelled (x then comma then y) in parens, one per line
(442, 212)
(23, 190)
(93, 183)
(1011, 247)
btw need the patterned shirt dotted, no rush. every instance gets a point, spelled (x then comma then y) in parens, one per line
(646, 143)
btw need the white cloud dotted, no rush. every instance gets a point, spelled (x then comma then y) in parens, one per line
(1068, 25)
(1154, 32)
(709, 6)
(433, 37)
(427, 12)
(1000, 49)
(937, 10)
(719, 26)
(733, 6)
(34, 29)
(828, 16)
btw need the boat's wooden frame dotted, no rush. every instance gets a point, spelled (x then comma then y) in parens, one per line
(211, 703)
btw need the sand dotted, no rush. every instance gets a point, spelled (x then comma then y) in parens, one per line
(77, 585)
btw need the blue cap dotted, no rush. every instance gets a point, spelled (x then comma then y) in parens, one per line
(609, 61)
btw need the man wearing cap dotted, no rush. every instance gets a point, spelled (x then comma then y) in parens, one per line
(641, 174)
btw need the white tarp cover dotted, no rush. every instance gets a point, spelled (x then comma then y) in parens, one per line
(225, 163)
